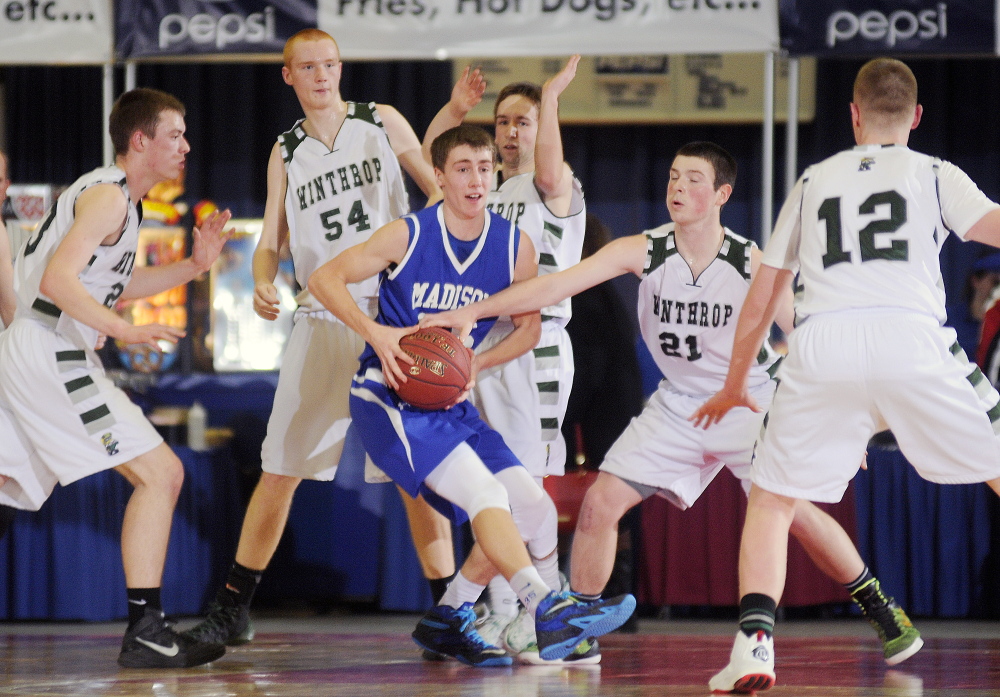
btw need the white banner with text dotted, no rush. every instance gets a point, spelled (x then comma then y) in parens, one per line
(55, 32)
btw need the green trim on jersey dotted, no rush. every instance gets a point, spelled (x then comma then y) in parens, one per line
(548, 260)
(289, 140)
(658, 250)
(364, 112)
(736, 252)
(552, 229)
(46, 308)
(546, 351)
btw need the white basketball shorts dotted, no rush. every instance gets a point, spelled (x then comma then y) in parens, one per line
(849, 375)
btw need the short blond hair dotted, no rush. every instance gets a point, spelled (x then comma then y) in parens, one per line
(886, 90)
(310, 34)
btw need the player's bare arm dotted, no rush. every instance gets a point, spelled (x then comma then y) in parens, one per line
(328, 284)
(986, 230)
(100, 214)
(624, 255)
(208, 241)
(8, 302)
(406, 145)
(273, 235)
(465, 95)
(759, 310)
(785, 319)
(553, 177)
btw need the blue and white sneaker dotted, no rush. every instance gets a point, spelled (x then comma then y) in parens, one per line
(445, 630)
(564, 620)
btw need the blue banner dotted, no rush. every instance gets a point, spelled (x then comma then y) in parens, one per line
(147, 28)
(880, 27)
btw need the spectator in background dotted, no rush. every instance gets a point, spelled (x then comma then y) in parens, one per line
(966, 317)
(605, 396)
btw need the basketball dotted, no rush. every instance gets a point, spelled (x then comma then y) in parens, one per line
(441, 370)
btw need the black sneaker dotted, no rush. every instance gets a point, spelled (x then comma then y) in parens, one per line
(452, 632)
(152, 643)
(227, 625)
(563, 621)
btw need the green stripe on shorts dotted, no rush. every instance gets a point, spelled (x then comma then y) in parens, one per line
(97, 419)
(81, 389)
(548, 392)
(550, 429)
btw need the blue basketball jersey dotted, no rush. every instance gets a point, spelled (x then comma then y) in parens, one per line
(440, 272)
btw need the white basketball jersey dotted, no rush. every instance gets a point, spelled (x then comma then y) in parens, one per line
(105, 277)
(558, 241)
(337, 198)
(689, 323)
(864, 229)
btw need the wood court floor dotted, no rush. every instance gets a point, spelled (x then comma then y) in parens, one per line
(356, 656)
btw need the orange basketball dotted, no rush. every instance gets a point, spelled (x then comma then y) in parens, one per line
(441, 369)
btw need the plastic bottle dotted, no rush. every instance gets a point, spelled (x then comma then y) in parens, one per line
(197, 421)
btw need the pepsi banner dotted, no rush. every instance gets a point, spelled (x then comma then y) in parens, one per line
(148, 28)
(428, 29)
(869, 27)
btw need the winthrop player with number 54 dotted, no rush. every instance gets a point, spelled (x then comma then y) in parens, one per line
(434, 260)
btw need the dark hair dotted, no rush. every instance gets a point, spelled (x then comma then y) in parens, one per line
(722, 162)
(523, 89)
(473, 136)
(596, 234)
(139, 110)
(886, 88)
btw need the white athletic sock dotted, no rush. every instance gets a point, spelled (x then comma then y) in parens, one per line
(548, 569)
(460, 591)
(530, 588)
(503, 600)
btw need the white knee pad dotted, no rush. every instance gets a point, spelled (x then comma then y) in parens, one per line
(533, 511)
(464, 480)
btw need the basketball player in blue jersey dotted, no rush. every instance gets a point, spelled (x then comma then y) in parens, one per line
(536, 189)
(61, 418)
(695, 275)
(332, 180)
(864, 229)
(428, 262)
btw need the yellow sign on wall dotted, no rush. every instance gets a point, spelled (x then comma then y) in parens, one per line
(708, 88)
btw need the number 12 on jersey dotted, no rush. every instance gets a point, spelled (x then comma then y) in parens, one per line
(830, 213)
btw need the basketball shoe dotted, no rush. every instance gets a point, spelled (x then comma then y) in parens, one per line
(152, 643)
(452, 632)
(563, 621)
(519, 640)
(224, 624)
(490, 624)
(751, 665)
(900, 639)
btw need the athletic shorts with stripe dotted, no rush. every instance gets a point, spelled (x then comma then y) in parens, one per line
(61, 418)
(661, 449)
(525, 399)
(311, 413)
(408, 443)
(851, 374)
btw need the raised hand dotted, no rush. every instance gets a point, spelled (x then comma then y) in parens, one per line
(209, 239)
(560, 81)
(469, 90)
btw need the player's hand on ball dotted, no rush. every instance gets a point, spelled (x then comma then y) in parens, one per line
(265, 301)
(460, 321)
(385, 341)
(721, 403)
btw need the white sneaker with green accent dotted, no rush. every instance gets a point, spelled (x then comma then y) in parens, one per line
(586, 654)
(751, 666)
(491, 625)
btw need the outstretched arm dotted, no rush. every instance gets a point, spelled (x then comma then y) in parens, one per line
(465, 95)
(553, 177)
(328, 284)
(626, 254)
(209, 240)
(406, 145)
(758, 313)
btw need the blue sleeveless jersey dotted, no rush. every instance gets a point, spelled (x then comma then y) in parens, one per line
(431, 278)
(405, 442)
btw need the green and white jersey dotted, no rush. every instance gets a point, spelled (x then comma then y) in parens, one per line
(337, 198)
(105, 277)
(689, 323)
(558, 240)
(864, 229)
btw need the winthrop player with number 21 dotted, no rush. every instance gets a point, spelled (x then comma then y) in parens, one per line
(430, 261)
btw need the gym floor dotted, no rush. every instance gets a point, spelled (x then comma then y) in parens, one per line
(371, 654)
